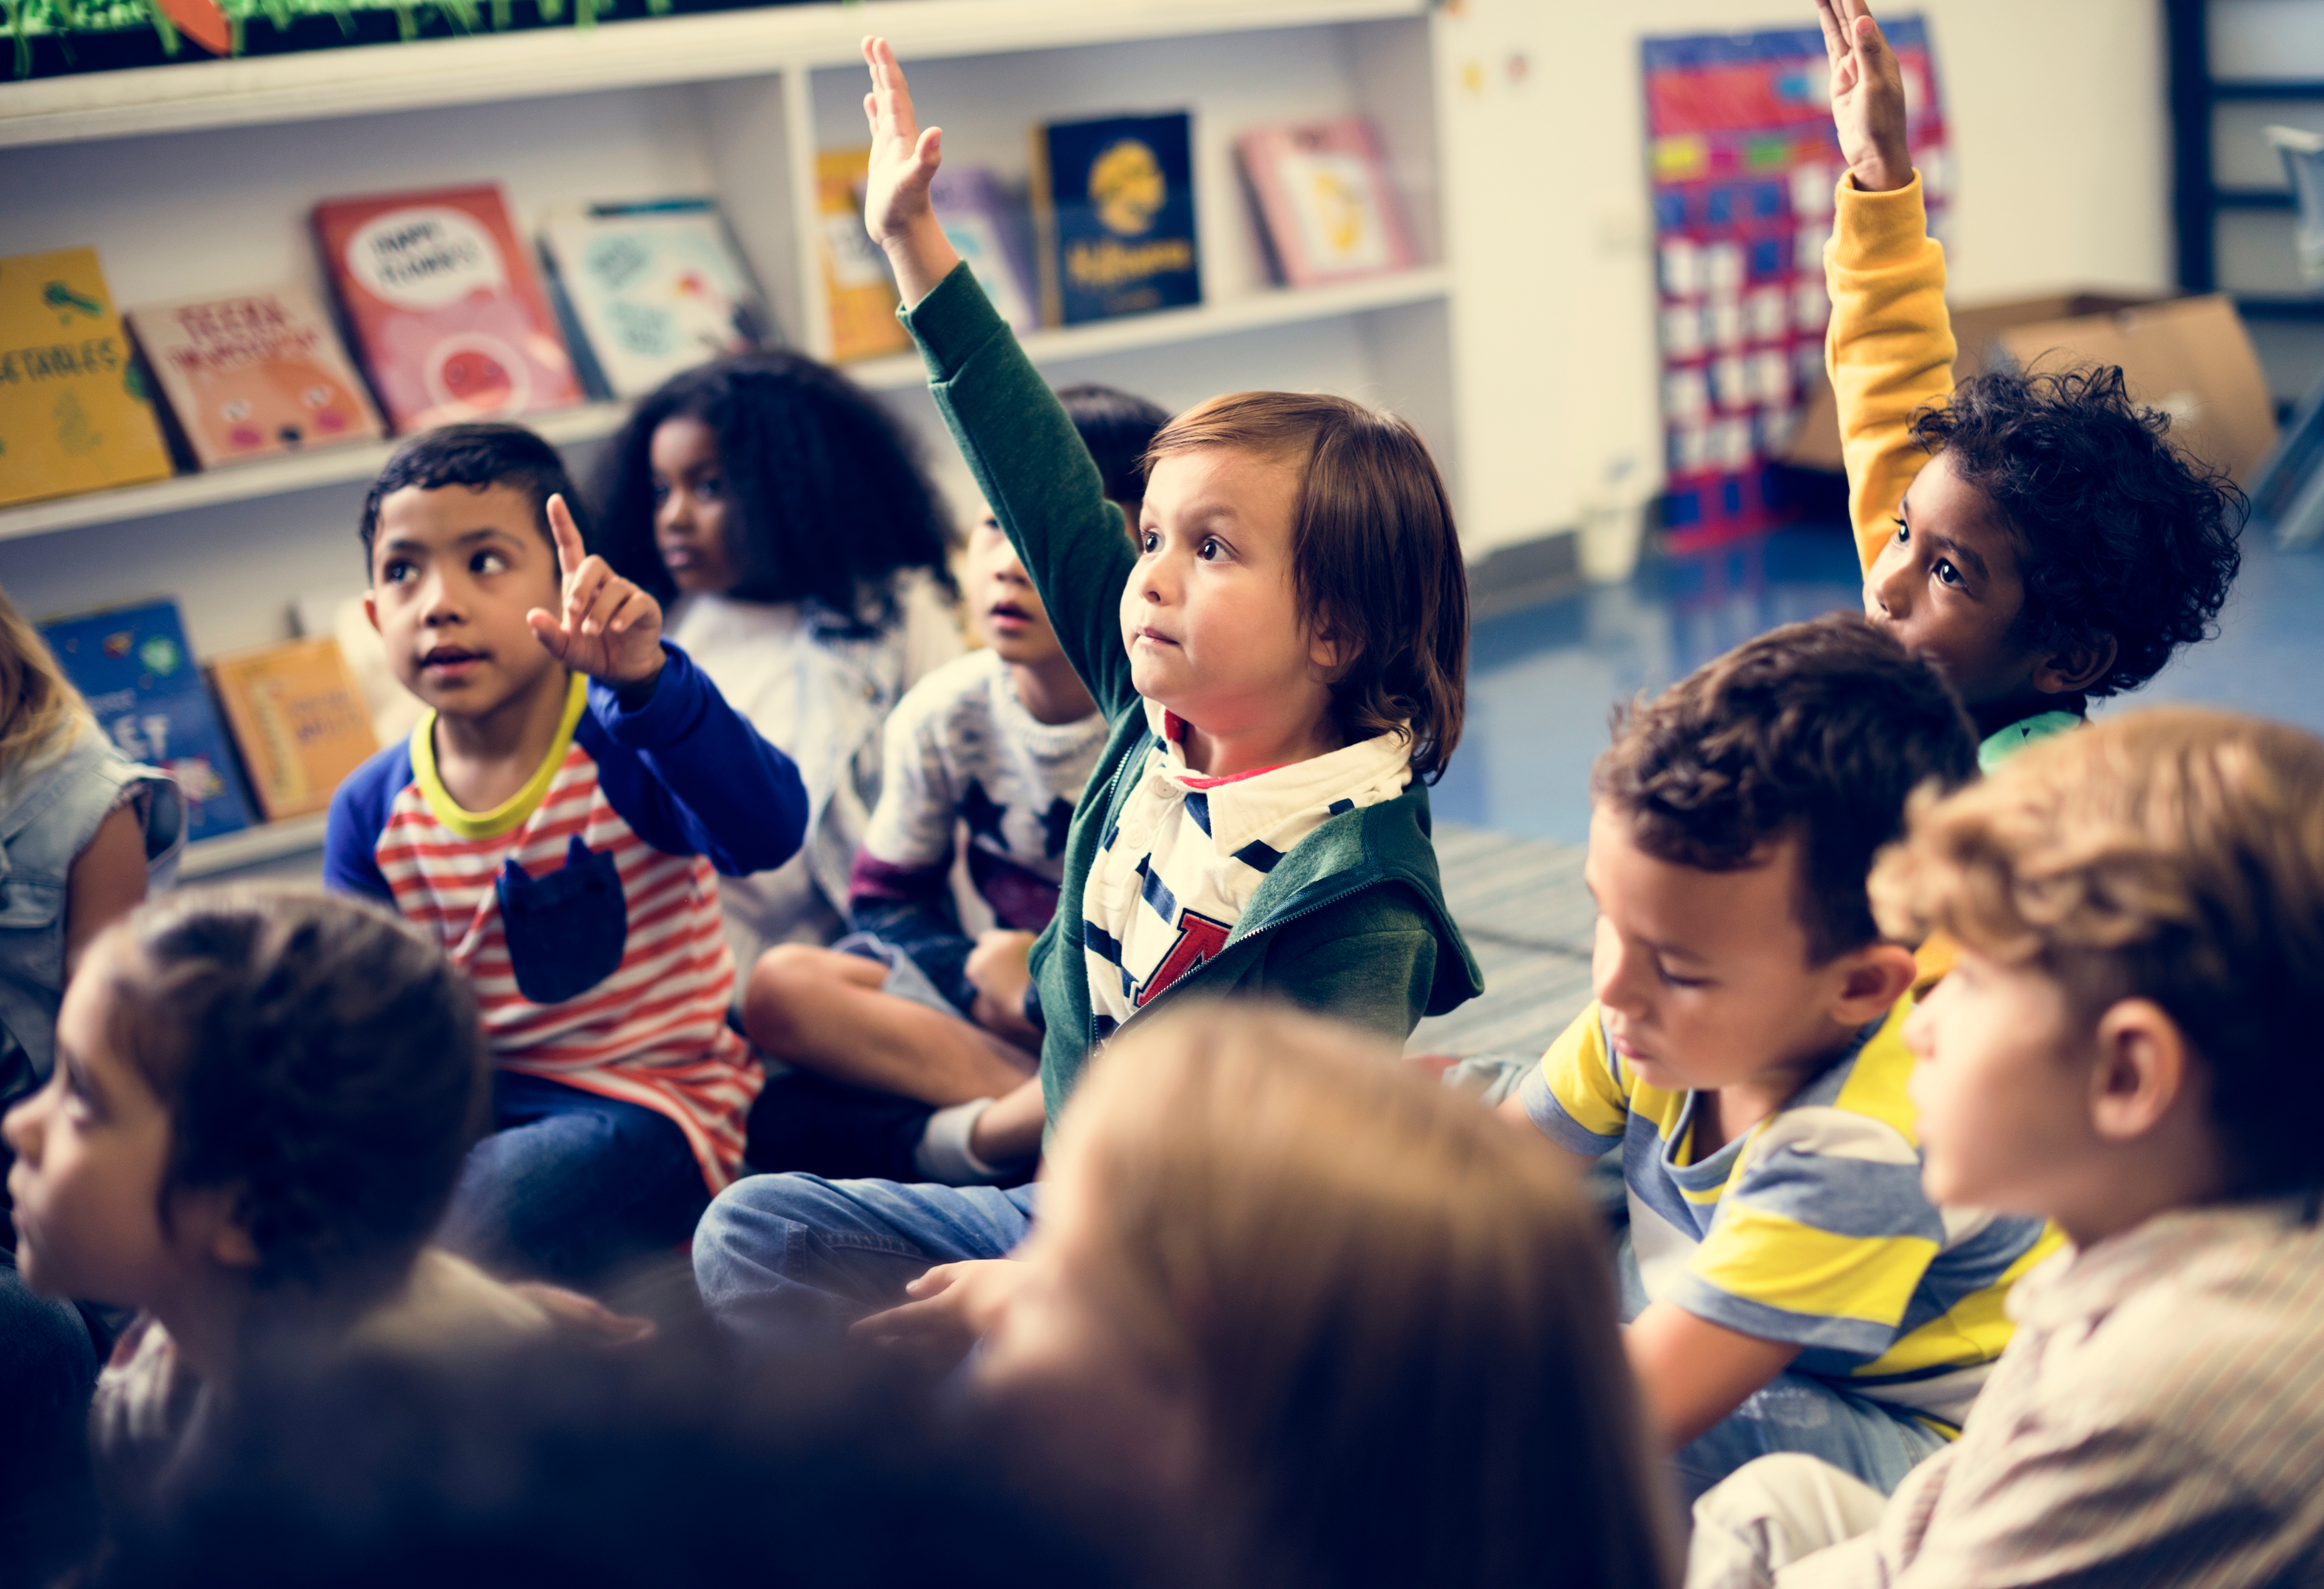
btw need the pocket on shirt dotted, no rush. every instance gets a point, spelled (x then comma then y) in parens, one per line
(567, 929)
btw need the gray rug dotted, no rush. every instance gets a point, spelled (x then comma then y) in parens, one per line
(1529, 920)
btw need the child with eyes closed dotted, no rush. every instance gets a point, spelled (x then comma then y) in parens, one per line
(1280, 659)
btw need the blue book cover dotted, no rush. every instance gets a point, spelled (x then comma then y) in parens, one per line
(1117, 203)
(136, 671)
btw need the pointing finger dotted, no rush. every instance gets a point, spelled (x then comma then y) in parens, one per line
(567, 534)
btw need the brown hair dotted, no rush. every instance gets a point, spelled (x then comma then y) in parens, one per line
(1819, 730)
(1376, 559)
(1399, 1314)
(37, 701)
(2173, 854)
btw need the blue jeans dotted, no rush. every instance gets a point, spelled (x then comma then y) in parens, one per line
(571, 1184)
(1798, 1413)
(787, 1261)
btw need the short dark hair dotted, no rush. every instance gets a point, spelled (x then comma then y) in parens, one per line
(478, 456)
(1117, 428)
(1822, 730)
(1375, 555)
(316, 1055)
(829, 498)
(2120, 532)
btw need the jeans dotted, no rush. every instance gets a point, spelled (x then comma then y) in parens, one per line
(1793, 1412)
(569, 1184)
(792, 1261)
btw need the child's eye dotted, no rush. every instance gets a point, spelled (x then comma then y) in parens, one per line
(1673, 980)
(1148, 542)
(710, 487)
(1904, 531)
(488, 563)
(1945, 572)
(1210, 549)
(660, 492)
(396, 571)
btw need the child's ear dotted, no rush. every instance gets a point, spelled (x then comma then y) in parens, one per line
(2076, 667)
(2145, 1069)
(210, 1221)
(370, 611)
(1872, 979)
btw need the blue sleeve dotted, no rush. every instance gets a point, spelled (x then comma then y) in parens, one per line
(358, 816)
(691, 776)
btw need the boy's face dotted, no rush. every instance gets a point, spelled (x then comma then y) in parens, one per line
(690, 506)
(1947, 583)
(1006, 607)
(453, 572)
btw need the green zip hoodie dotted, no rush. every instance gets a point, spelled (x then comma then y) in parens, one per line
(1352, 922)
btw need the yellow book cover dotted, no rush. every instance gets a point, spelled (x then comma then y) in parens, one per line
(75, 414)
(299, 719)
(855, 280)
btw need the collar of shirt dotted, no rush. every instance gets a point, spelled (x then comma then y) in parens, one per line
(1248, 805)
(2084, 1283)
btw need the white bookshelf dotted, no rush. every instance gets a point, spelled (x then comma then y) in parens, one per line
(253, 846)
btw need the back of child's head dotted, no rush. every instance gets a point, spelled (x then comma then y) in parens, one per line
(1376, 557)
(37, 704)
(477, 456)
(1399, 1316)
(2176, 855)
(1117, 428)
(827, 500)
(2119, 532)
(316, 1057)
(1818, 731)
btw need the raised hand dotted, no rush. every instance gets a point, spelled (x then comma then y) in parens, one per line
(1867, 95)
(610, 629)
(904, 159)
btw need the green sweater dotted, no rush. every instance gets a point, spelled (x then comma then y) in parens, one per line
(1352, 922)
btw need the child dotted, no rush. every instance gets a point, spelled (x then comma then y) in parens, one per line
(2126, 1046)
(2053, 545)
(785, 512)
(1794, 1290)
(555, 820)
(1281, 665)
(1283, 1281)
(1001, 740)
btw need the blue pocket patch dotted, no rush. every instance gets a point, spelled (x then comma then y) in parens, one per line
(565, 930)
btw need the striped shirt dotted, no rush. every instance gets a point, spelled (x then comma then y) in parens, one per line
(584, 909)
(1810, 1228)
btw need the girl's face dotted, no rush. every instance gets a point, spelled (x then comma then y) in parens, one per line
(690, 506)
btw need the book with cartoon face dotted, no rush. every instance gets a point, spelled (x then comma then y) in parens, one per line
(1114, 200)
(253, 374)
(651, 289)
(75, 414)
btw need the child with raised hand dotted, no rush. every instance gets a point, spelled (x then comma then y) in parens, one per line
(1794, 1289)
(783, 515)
(558, 820)
(2125, 1045)
(1280, 659)
(2038, 535)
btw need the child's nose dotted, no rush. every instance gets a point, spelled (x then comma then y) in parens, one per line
(21, 1128)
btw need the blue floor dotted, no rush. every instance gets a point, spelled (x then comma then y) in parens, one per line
(1542, 680)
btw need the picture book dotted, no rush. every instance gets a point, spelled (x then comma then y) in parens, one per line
(75, 414)
(299, 719)
(1114, 201)
(133, 667)
(987, 228)
(253, 374)
(441, 301)
(859, 293)
(650, 290)
(1326, 205)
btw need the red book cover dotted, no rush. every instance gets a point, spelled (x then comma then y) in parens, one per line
(445, 312)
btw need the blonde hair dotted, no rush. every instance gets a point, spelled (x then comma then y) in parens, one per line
(37, 702)
(2174, 854)
(1399, 1314)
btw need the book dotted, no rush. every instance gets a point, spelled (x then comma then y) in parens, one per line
(299, 719)
(1114, 201)
(650, 290)
(74, 414)
(987, 228)
(1327, 208)
(859, 294)
(133, 667)
(253, 374)
(443, 307)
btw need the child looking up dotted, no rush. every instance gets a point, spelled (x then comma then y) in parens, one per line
(2125, 1045)
(2038, 535)
(782, 513)
(1795, 1288)
(556, 819)
(1280, 661)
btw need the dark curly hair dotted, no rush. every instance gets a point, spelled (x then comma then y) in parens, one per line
(1822, 730)
(2120, 532)
(1117, 428)
(318, 1056)
(829, 496)
(478, 456)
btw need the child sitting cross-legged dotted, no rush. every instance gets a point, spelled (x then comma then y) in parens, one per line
(556, 821)
(1794, 1290)
(2125, 1045)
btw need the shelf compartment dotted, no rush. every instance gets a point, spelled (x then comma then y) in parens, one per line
(207, 858)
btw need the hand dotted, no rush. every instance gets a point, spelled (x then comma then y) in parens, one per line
(904, 159)
(611, 629)
(1868, 96)
(998, 971)
(953, 1306)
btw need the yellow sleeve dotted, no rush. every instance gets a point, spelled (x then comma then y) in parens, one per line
(1577, 1096)
(1889, 349)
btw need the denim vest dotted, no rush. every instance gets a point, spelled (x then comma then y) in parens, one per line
(50, 817)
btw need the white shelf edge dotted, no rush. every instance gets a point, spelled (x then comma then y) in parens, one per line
(207, 858)
(329, 83)
(271, 477)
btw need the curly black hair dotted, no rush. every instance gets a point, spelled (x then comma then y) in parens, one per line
(317, 1056)
(831, 500)
(479, 456)
(2121, 533)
